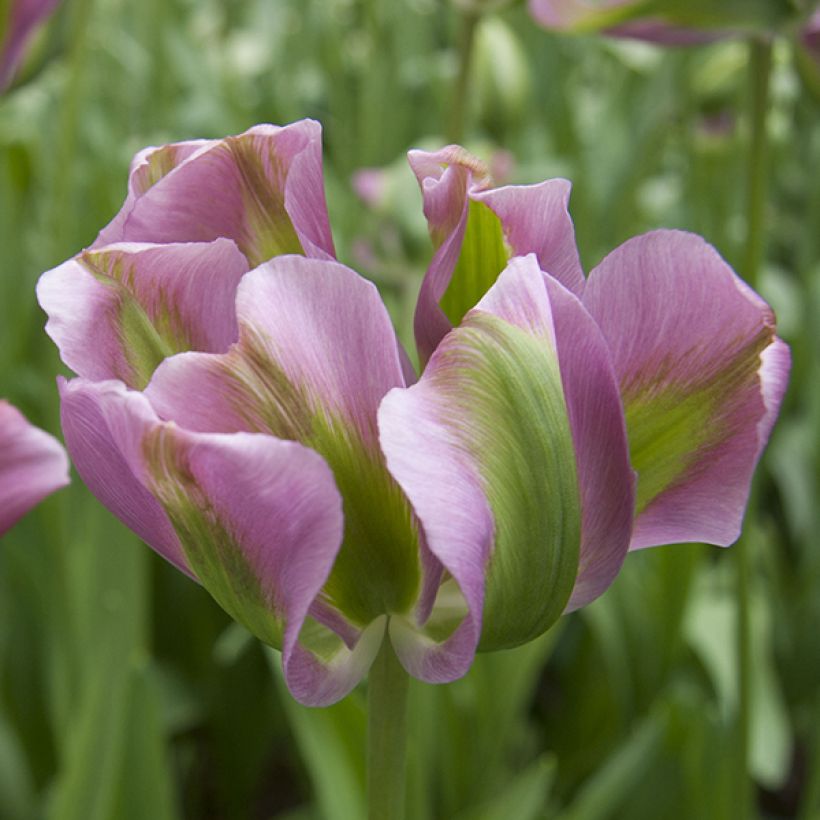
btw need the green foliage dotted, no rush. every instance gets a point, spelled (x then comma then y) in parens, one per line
(125, 693)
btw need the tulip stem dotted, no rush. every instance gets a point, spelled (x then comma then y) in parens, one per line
(461, 89)
(760, 64)
(386, 735)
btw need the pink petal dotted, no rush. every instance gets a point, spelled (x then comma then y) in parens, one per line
(317, 323)
(148, 167)
(601, 448)
(263, 189)
(316, 355)
(534, 219)
(103, 425)
(33, 465)
(257, 520)
(106, 305)
(689, 342)
(455, 445)
(596, 417)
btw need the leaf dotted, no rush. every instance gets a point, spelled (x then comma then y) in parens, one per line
(524, 798)
(623, 771)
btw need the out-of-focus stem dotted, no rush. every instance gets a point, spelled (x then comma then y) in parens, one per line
(760, 62)
(461, 90)
(386, 735)
(65, 168)
(760, 65)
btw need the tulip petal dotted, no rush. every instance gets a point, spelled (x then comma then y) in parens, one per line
(701, 376)
(476, 230)
(263, 189)
(536, 220)
(483, 448)
(103, 424)
(258, 521)
(33, 465)
(316, 353)
(117, 312)
(148, 167)
(596, 416)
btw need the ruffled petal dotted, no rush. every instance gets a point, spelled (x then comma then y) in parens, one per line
(33, 464)
(315, 356)
(475, 231)
(483, 448)
(701, 375)
(536, 220)
(148, 167)
(117, 312)
(263, 189)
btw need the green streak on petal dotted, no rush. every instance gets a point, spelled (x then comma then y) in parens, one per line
(158, 163)
(508, 390)
(673, 427)
(377, 570)
(211, 548)
(269, 231)
(483, 256)
(148, 334)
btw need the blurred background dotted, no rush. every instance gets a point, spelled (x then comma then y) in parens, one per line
(126, 693)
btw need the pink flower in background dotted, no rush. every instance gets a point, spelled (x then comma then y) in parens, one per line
(33, 464)
(22, 20)
(245, 406)
(581, 15)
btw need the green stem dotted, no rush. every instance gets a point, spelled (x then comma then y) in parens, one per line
(760, 63)
(461, 89)
(760, 66)
(386, 735)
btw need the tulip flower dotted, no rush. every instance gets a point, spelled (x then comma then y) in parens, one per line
(661, 21)
(21, 20)
(161, 278)
(33, 465)
(330, 501)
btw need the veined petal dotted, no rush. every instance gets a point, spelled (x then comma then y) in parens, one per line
(117, 312)
(33, 465)
(103, 424)
(536, 220)
(476, 230)
(315, 356)
(258, 521)
(701, 375)
(263, 189)
(148, 167)
(483, 448)
(607, 481)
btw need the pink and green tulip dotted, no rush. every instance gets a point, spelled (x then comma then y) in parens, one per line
(667, 22)
(19, 20)
(289, 460)
(33, 464)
